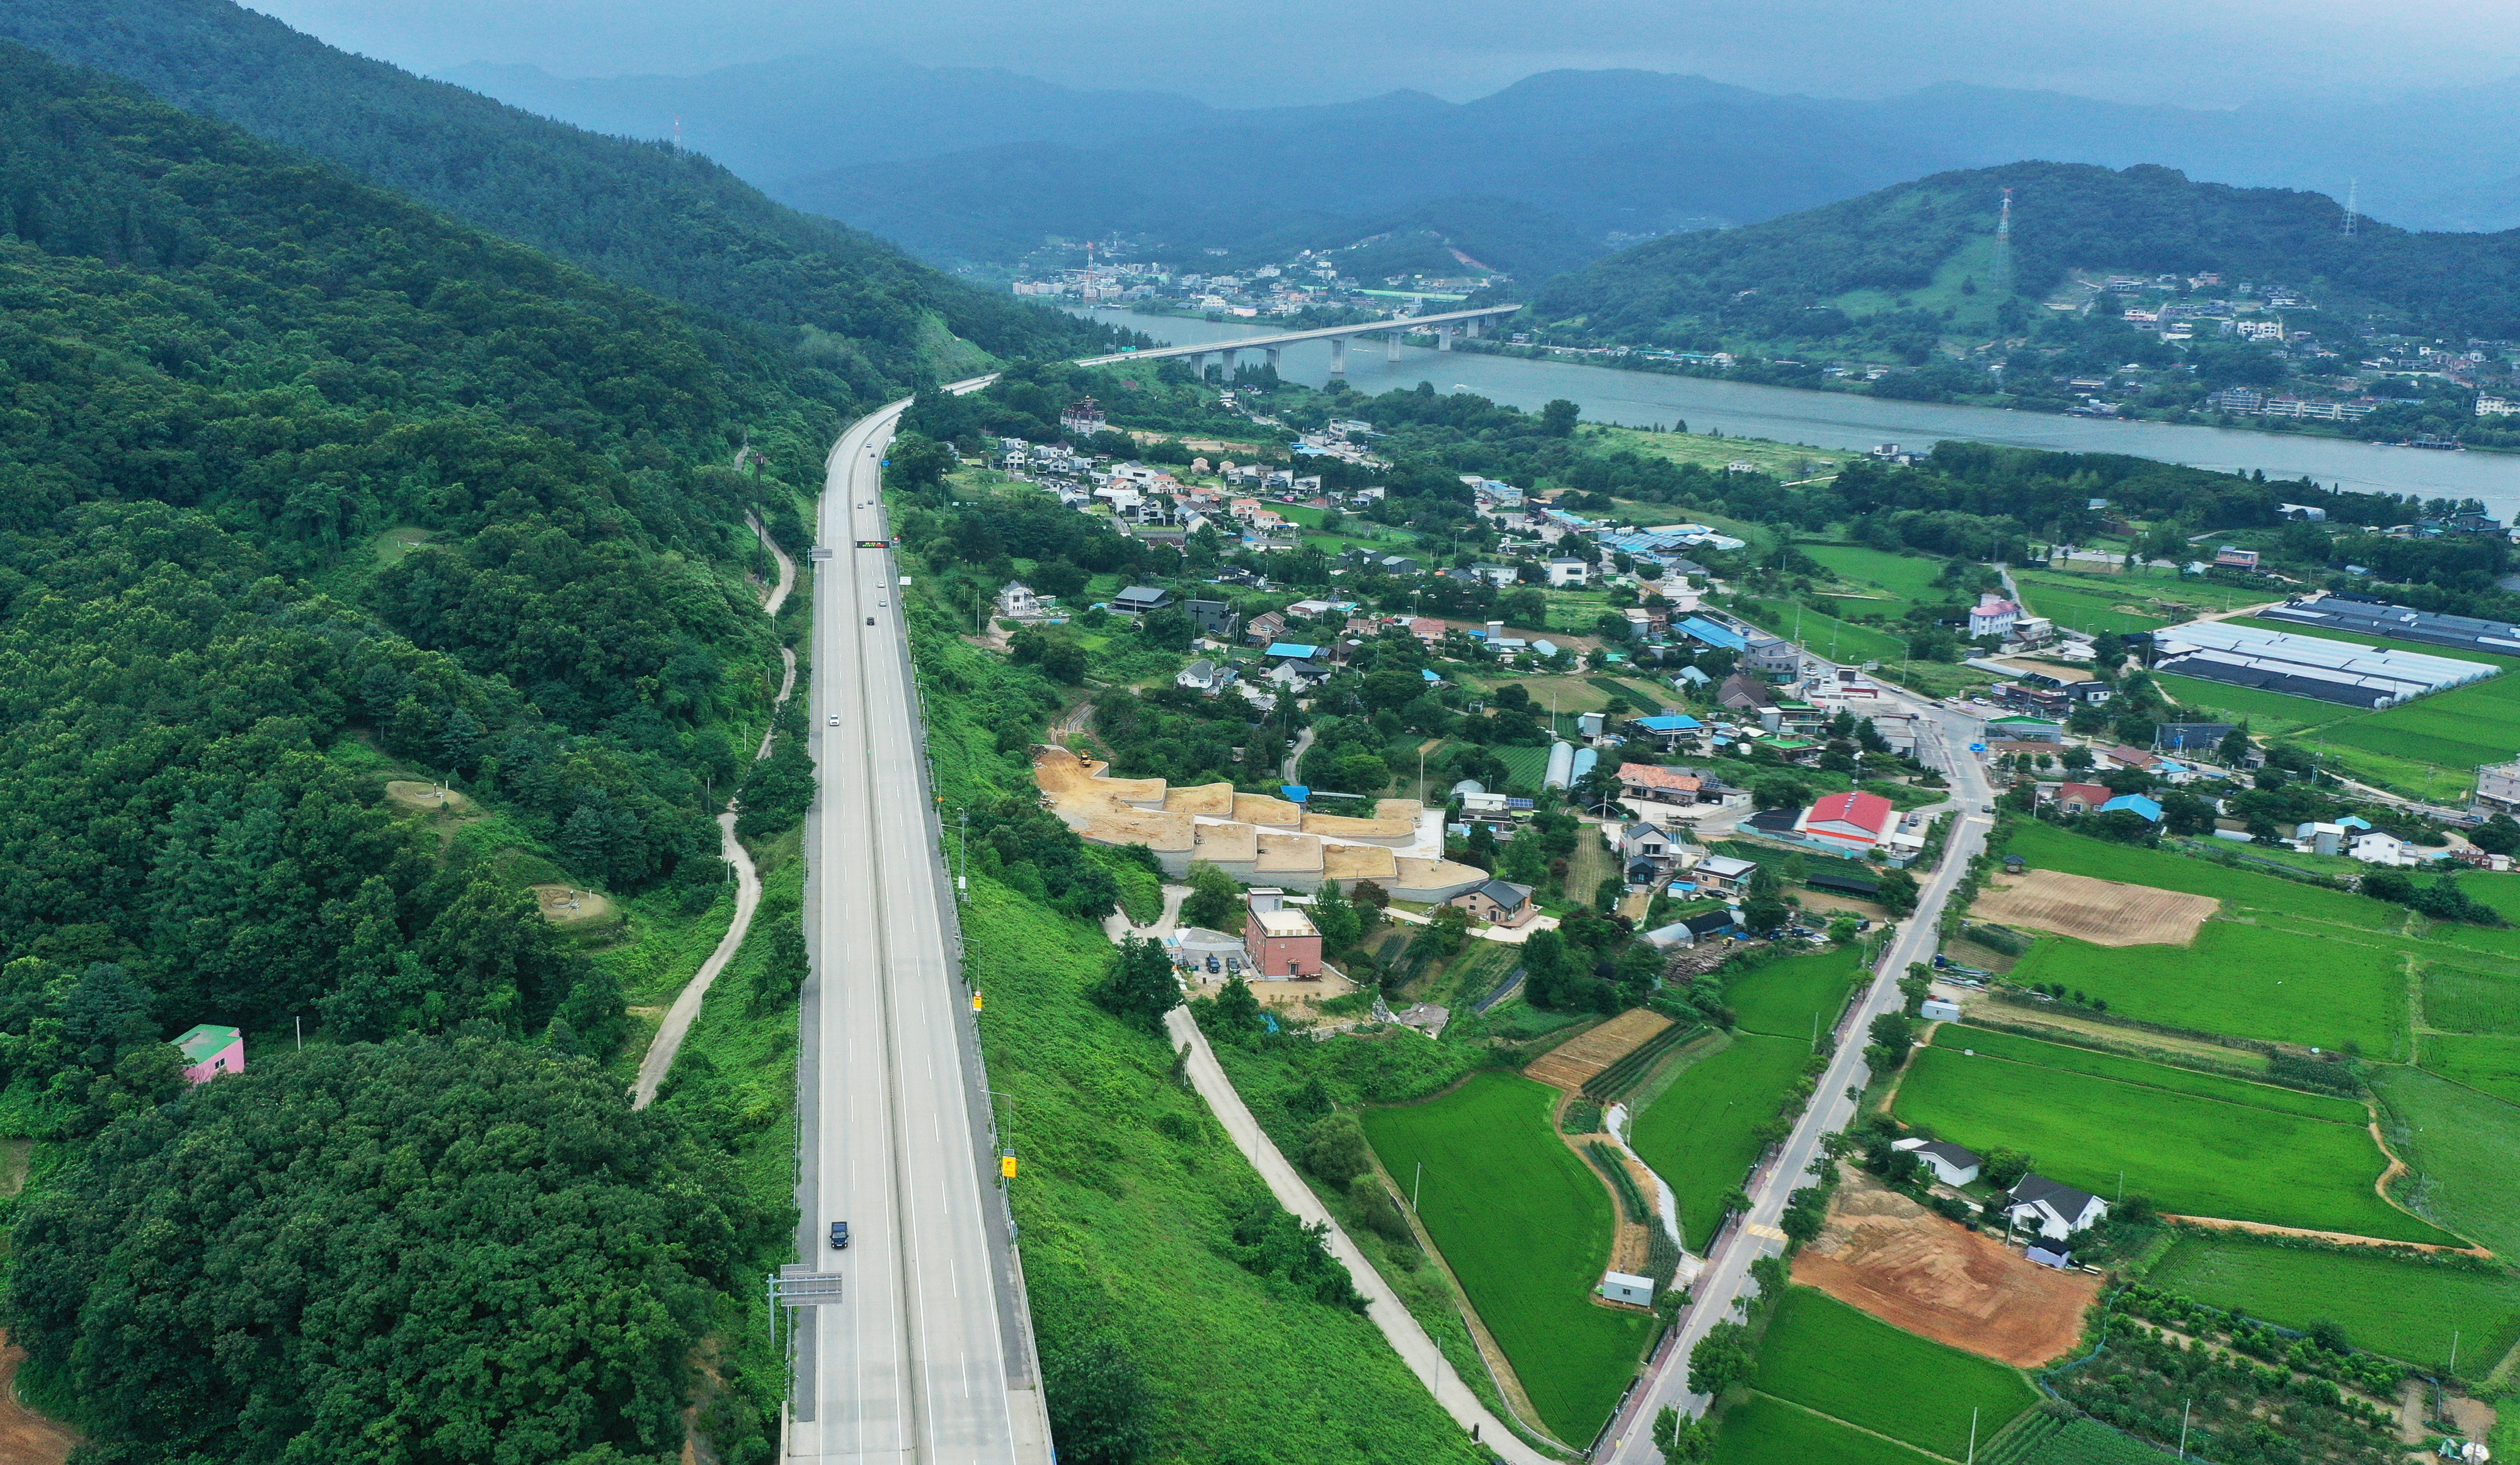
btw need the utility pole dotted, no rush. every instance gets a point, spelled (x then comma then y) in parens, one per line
(2184, 1406)
(1972, 1449)
(2353, 195)
(1416, 1183)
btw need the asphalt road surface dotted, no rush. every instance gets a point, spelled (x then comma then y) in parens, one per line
(925, 1356)
(1726, 1282)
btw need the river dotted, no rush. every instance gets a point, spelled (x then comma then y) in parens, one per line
(1840, 420)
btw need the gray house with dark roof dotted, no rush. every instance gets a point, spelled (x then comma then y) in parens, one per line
(1949, 1163)
(2054, 1209)
(1138, 599)
(1501, 902)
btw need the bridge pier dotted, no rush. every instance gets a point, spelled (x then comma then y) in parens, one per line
(1230, 357)
(1391, 348)
(1272, 358)
(1443, 337)
(1471, 326)
(1338, 355)
(1197, 365)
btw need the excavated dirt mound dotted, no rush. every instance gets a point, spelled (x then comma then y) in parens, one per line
(1567, 1065)
(1894, 1258)
(2103, 912)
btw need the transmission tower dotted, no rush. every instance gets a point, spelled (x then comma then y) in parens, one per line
(2004, 247)
(2353, 190)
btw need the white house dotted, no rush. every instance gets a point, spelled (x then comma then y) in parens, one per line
(1949, 1163)
(2374, 847)
(1203, 676)
(1992, 615)
(2052, 1209)
(1629, 1288)
(1018, 603)
(1565, 570)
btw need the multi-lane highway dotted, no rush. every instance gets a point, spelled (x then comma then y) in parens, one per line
(1726, 1278)
(924, 1357)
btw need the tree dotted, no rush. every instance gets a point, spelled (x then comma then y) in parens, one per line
(1139, 988)
(1334, 1149)
(1779, 792)
(1557, 418)
(1893, 1035)
(1683, 1439)
(2004, 1168)
(1335, 917)
(1236, 1013)
(1721, 1359)
(1765, 913)
(1101, 1411)
(2233, 750)
(2186, 814)
(1896, 890)
(1449, 927)
(1215, 900)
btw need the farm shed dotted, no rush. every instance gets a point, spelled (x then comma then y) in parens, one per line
(1629, 1288)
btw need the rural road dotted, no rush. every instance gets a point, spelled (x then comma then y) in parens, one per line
(668, 1042)
(925, 1355)
(1381, 1305)
(1727, 1282)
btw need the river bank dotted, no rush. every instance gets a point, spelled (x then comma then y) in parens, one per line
(1842, 421)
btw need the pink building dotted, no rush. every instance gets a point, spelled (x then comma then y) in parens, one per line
(1280, 942)
(210, 1050)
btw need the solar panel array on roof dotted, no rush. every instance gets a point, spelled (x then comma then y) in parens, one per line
(2399, 623)
(2309, 666)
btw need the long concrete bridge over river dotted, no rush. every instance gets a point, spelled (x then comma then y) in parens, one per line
(1444, 325)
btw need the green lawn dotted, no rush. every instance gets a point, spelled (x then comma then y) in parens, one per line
(1697, 1136)
(2243, 980)
(2458, 1000)
(1900, 580)
(2460, 1143)
(1780, 999)
(1764, 1431)
(2194, 1156)
(1824, 1354)
(1527, 1226)
(2405, 1309)
(1827, 634)
(2488, 1062)
(2137, 1071)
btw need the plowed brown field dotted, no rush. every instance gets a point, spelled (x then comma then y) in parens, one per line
(2103, 912)
(1567, 1065)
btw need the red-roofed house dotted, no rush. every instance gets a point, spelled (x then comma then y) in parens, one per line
(2081, 798)
(1426, 628)
(1992, 615)
(1852, 821)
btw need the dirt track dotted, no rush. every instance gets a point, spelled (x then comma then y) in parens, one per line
(2103, 912)
(1567, 1065)
(27, 1438)
(1909, 1267)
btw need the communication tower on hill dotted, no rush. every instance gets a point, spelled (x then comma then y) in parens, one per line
(2004, 247)
(2353, 190)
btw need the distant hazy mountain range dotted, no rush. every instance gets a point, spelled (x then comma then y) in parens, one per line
(965, 164)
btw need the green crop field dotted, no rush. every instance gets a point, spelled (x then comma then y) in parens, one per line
(2458, 1000)
(2487, 1062)
(1901, 580)
(1781, 998)
(1524, 766)
(1697, 1136)
(2459, 1143)
(1827, 634)
(2432, 744)
(2266, 712)
(2148, 1075)
(1824, 1354)
(2247, 981)
(2194, 1156)
(2405, 1309)
(1527, 1226)
(2045, 1440)
(2095, 603)
(1764, 1431)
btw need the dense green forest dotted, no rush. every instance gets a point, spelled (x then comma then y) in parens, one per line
(870, 317)
(1782, 281)
(310, 487)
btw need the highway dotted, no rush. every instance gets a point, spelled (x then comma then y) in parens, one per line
(925, 1355)
(1726, 1278)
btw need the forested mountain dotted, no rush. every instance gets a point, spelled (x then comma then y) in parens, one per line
(243, 387)
(1839, 274)
(637, 213)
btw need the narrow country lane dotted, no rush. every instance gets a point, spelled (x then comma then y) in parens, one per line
(668, 1042)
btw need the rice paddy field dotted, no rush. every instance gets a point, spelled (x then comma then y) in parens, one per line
(2487, 1063)
(2458, 1000)
(2404, 1309)
(1698, 1134)
(1527, 1226)
(2460, 1143)
(1827, 634)
(2122, 1069)
(1764, 1431)
(2194, 1155)
(1783, 998)
(1837, 1360)
(2245, 981)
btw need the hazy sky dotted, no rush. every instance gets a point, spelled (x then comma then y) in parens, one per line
(1239, 53)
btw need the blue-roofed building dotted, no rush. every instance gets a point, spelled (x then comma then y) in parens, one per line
(1699, 627)
(1294, 648)
(1429, 673)
(1669, 722)
(1295, 794)
(2134, 803)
